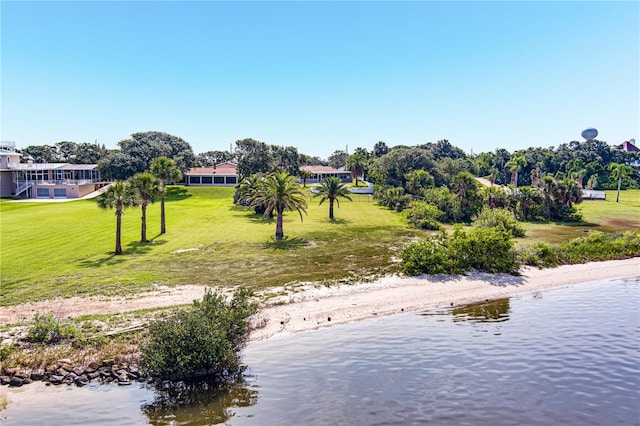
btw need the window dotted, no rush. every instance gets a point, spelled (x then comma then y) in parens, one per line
(194, 179)
(207, 180)
(231, 180)
(218, 180)
(59, 193)
(42, 192)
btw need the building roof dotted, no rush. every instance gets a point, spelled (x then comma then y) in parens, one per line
(220, 169)
(485, 181)
(51, 166)
(628, 146)
(322, 169)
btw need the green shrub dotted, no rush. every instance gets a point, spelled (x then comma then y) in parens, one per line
(422, 215)
(46, 328)
(592, 247)
(499, 218)
(393, 197)
(204, 338)
(483, 249)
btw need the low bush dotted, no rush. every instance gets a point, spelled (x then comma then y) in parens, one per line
(499, 218)
(46, 328)
(483, 249)
(205, 338)
(422, 215)
(593, 247)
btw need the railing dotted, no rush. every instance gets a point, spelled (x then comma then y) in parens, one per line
(57, 182)
(21, 188)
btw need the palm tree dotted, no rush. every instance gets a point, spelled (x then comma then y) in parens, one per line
(246, 189)
(332, 188)
(280, 191)
(620, 171)
(119, 195)
(548, 187)
(147, 187)
(516, 164)
(304, 175)
(165, 170)
(356, 163)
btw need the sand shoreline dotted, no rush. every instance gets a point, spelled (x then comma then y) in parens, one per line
(311, 306)
(319, 307)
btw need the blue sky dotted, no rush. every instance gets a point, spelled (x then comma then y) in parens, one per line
(321, 75)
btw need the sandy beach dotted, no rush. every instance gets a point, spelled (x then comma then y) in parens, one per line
(314, 308)
(310, 306)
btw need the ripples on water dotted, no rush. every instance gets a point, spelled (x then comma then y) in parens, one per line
(563, 356)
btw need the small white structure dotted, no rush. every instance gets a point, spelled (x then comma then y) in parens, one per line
(592, 194)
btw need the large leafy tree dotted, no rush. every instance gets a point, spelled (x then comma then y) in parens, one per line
(285, 158)
(619, 171)
(253, 157)
(517, 163)
(337, 159)
(166, 170)
(209, 158)
(118, 196)
(279, 192)
(392, 168)
(380, 149)
(147, 187)
(332, 189)
(141, 148)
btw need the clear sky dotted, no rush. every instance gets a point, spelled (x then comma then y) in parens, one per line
(321, 75)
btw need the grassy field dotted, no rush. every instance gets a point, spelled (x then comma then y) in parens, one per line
(66, 249)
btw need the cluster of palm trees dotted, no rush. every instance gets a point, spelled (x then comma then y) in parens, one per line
(141, 189)
(280, 191)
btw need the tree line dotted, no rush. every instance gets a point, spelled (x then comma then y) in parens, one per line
(586, 162)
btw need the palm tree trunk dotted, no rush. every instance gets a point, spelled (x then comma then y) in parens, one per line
(143, 237)
(331, 209)
(619, 185)
(279, 231)
(163, 228)
(118, 231)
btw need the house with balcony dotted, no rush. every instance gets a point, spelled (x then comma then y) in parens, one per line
(45, 180)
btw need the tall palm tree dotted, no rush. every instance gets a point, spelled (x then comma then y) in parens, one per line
(356, 163)
(246, 189)
(304, 175)
(548, 187)
(332, 189)
(147, 187)
(119, 195)
(516, 164)
(620, 171)
(280, 191)
(166, 170)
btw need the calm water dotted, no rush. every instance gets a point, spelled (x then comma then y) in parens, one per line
(563, 356)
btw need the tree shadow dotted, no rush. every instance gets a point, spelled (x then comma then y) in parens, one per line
(286, 243)
(138, 247)
(176, 193)
(110, 259)
(339, 221)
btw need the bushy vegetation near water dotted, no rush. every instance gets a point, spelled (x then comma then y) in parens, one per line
(482, 249)
(492, 250)
(594, 246)
(203, 339)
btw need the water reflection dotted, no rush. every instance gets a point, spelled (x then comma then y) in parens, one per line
(202, 402)
(493, 311)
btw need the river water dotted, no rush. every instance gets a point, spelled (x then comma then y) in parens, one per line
(561, 356)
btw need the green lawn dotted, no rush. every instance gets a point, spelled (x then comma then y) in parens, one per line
(65, 249)
(602, 215)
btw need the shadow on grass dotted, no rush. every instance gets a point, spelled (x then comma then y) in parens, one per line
(111, 258)
(176, 193)
(286, 243)
(339, 221)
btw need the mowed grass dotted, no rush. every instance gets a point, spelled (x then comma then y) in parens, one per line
(601, 215)
(66, 249)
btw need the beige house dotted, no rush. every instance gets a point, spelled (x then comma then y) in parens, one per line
(322, 172)
(45, 180)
